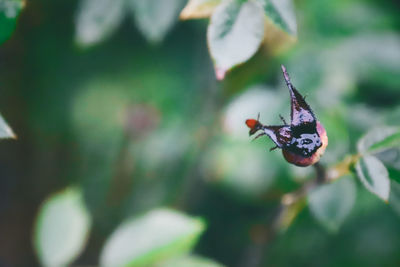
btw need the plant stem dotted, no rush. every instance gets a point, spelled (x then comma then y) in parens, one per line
(292, 203)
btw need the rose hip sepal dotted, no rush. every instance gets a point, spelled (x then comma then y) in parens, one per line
(304, 141)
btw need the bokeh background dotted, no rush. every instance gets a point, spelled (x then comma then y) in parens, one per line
(141, 124)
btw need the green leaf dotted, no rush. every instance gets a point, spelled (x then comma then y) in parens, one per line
(154, 18)
(281, 12)
(391, 158)
(374, 176)
(379, 139)
(394, 174)
(9, 11)
(158, 235)
(97, 19)
(240, 168)
(196, 9)
(331, 203)
(235, 32)
(62, 228)
(189, 261)
(394, 199)
(5, 130)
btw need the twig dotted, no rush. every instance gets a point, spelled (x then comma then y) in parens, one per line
(292, 197)
(292, 203)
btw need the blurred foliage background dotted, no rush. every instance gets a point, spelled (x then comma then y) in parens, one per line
(135, 121)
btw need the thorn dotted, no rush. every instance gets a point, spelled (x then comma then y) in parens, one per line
(261, 134)
(273, 148)
(283, 119)
(285, 74)
(287, 80)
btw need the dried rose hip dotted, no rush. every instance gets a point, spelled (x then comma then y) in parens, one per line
(304, 141)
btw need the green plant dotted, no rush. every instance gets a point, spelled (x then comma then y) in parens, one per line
(235, 33)
(149, 154)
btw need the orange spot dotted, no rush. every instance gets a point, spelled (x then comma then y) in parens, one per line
(251, 123)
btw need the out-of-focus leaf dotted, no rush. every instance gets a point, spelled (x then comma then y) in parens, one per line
(281, 12)
(158, 235)
(379, 139)
(235, 32)
(360, 56)
(155, 18)
(394, 174)
(374, 176)
(392, 116)
(5, 130)
(331, 203)
(9, 11)
(244, 169)
(339, 141)
(196, 9)
(365, 53)
(277, 41)
(189, 261)
(100, 126)
(62, 228)
(164, 147)
(394, 199)
(97, 19)
(390, 157)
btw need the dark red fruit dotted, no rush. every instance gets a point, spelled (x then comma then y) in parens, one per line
(304, 141)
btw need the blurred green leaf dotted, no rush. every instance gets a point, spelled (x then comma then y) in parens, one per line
(242, 168)
(394, 173)
(235, 32)
(100, 126)
(156, 236)
(339, 141)
(189, 261)
(392, 116)
(155, 18)
(97, 19)
(394, 199)
(9, 11)
(374, 176)
(62, 228)
(366, 53)
(281, 12)
(379, 139)
(5, 130)
(164, 147)
(366, 56)
(390, 158)
(199, 9)
(331, 203)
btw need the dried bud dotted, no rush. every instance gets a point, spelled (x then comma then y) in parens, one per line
(304, 141)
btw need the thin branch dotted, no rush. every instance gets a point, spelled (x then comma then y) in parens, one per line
(292, 203)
